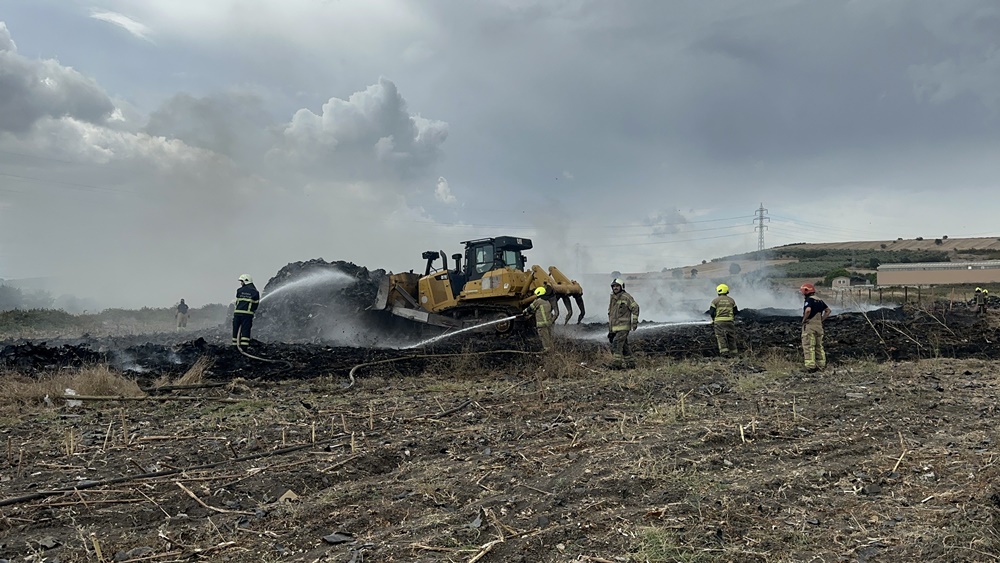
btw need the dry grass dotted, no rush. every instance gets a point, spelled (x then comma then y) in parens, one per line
(777, 362)
(770, 468)
(193, 376)
(196, 373)
(97, 380)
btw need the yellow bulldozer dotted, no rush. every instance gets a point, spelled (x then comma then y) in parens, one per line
(493, 283)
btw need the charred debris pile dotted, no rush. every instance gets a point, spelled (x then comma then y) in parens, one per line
(312, 301)
(321, 302)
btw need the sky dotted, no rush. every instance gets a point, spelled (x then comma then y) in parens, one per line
(156, 150)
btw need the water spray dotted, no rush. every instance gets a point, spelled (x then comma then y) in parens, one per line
(457, 332)
(314, 278)
(672, 324)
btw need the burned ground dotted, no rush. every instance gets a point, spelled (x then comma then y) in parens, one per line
(479, 449)
(879, 335)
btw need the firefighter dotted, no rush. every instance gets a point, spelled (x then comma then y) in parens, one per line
(814, 312)
(623, 317)
(247, 301)
(986, 300)
(182, 315)
(980, 301)
(723, 311)
(541, 309)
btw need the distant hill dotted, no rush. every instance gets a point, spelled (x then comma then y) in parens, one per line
(816, 260)
(971, 246)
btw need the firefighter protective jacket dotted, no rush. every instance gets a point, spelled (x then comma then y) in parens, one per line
(542, 310)
(723, 308)
(623, 312)
(247, 300)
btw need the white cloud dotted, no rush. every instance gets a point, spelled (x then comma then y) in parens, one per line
(443, 192)
(6, 43)
(371, 135)
(210, 186)
(128, 24)
(31, 89)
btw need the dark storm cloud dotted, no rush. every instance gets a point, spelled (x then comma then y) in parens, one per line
(650, 82)
(31, 89)
(818, 77)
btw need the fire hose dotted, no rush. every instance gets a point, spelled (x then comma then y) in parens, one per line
(414, 356)
(258, 358)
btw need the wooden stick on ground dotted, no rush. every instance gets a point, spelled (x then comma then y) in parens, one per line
(212, 508)
(166, 398)
(464, 404)
(432, 548)
(898, 461)
(486, 548)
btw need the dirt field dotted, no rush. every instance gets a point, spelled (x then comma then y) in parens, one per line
(465, 453)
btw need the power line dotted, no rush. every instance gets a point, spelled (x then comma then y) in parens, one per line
(793, 228)
(587, 226)
(86, 187)
(40, 157)
(667, 241)
(826, 227)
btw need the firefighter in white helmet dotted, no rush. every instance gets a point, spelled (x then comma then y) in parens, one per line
(247, 301)
(623, 318)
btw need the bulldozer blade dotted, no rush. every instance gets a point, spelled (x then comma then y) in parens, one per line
(382, 298)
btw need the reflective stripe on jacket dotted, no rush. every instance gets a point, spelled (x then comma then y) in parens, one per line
(623, 312)
(542, 310)
(247, 300)
(723, 308)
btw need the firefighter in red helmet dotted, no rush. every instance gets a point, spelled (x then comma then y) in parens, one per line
(814, 312)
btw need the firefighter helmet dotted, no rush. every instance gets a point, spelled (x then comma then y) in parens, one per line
(807, 289)
(539, 291)
(245, 278)
(722, 289)
(618, 281)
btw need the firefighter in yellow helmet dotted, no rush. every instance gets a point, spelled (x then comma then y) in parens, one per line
(980, 301)
(541, 308)
(623, 318)
(723, 311)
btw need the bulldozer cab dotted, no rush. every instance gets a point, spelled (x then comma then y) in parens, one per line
(488, 254)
